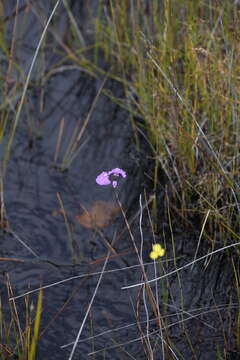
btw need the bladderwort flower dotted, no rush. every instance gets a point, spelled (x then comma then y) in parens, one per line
(108, 177)
(157, 251)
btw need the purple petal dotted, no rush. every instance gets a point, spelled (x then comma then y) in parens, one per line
(103, 179)
(117, 172)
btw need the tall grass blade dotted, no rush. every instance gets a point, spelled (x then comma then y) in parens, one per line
(33, 346)
(10, 141)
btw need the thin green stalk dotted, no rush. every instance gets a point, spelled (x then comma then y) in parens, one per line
(10, 141)
(33, 346)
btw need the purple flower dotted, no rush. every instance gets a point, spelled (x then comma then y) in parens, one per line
(106, 177)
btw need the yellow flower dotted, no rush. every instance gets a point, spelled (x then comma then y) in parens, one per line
(157, 250)
(153, 255)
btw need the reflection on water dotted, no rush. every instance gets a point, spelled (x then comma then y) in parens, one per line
(99, 214)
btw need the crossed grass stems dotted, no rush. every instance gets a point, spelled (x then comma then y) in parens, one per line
(179, 149)
(148, 297)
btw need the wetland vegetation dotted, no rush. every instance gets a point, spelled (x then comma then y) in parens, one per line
(176, 63)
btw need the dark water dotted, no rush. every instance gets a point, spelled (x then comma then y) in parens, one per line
(32, 188)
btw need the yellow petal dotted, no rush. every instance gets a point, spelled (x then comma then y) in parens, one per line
(153, 255)
(161, 252)
(156, 247)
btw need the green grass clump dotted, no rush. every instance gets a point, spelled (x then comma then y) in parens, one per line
(179, 64)
(19, 338)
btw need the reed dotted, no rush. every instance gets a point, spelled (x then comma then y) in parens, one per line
(19, 332)
(178, 63)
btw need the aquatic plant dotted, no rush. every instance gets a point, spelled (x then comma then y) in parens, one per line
(25, 88)
(178, 65)
(157, 251)
(106, 177)
(19, 339)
